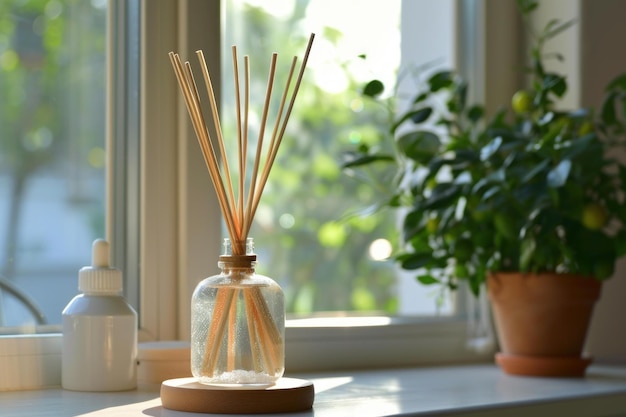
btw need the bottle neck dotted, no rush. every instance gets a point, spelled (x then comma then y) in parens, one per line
(240, 262)
(238, 255)
(238, 247)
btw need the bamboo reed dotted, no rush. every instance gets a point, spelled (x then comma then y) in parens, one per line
(239, 210)
(232, 340)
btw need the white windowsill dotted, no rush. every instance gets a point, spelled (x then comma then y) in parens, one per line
(468, 390)
(315, 344)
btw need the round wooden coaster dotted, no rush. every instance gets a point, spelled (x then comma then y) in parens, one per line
(287, 395)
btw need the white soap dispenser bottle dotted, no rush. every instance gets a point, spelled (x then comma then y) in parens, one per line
(99, 330)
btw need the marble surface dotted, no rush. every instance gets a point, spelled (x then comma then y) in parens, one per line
(468, 390)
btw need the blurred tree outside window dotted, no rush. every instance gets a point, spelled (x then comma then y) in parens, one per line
(52, 133)
(311, 231)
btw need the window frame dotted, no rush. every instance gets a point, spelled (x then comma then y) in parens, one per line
(192, 239)
(171, 247)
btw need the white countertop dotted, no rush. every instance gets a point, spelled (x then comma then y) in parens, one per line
(469, 390)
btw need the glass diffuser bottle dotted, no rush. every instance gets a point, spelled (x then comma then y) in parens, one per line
(237, 323)
(237, 316)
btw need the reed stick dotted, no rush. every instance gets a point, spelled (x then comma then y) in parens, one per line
(215, 335)
(238, 113)
(259, 148)
(252, 334)
(232, 332)
(274, 150)
(239, 211)
(220, 137)
(243, 143)
(261, 339)
(255, 193)
(192, 102)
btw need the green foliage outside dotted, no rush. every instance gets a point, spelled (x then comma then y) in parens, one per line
(307, 235)
(47, 106)
(306, 231)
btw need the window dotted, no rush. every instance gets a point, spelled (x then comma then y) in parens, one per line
(172, 213)
(183, 196)
(52, 157)
(304, 335)
(370, 286)
(310, 230)
(319, 237)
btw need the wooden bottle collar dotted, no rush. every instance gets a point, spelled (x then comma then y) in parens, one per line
(238, 261)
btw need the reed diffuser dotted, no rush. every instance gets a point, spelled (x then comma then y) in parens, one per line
(238, 316)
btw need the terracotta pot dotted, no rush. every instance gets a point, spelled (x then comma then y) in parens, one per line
(542, 321)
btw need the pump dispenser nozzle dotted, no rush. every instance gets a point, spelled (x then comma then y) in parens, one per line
(100, 277)
(100, 253)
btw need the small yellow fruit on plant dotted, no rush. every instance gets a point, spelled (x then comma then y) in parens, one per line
(431, 183)
(594, 216)
(522, 102)
(585, 127)
(432, 225)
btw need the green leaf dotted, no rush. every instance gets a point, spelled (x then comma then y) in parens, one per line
(527, 251)
(419, 146)
(554, 27)
(498, 176)
(475, 285)
(491, 192)
(412, 224)
(617, 83)
(417, 260)
(461, 95)
(420, 98)
(373, 88)
(584, 146)
(555, 83)
(440, 80)
(428, 280)
(558, 175)
(462, 156)
(435, 164)
(536, 170)
(490, 149)
(421, 115)
(607, 111)
(527, 6)
(464, 177)
(442, 196)
(533, 191)
(475, 113)
(546, 119)
(506, 226)
(366, 160)
(538, 67)
(416, 116)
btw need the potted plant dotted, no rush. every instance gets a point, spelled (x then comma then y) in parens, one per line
(529, 202)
